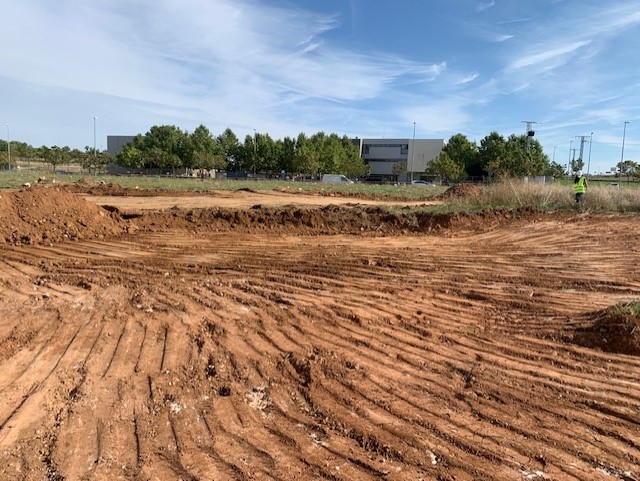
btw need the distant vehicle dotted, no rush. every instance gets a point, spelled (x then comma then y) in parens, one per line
(422, 183)
(336, 179)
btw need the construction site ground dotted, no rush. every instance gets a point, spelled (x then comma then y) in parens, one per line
(282, 336)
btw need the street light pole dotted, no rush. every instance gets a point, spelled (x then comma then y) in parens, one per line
(95, 153)
(8, 148)
(589, 161)
(255, 152)
(413, 150)
(624, 133)
(570, 163)
(554, 153)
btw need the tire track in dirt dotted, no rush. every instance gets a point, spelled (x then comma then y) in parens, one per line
(242, 356)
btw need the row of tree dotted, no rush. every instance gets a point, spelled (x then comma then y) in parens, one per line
(55, 155)
(516, 156)
(169, 147)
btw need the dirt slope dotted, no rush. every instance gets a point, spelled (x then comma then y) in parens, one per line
(182, 351)
(51, 214)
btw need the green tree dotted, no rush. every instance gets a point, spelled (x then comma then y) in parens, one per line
(352, 164)
(131, 156)
(520, 156)
(230, 145)
(628, 168)
(492, 150)
(555, 170)
(464, 153)
(247, 154)
(55, 155)
(288, 154)
(446, 168)
(400, 168)
(206, 152)
(307, 158)
(268, 154)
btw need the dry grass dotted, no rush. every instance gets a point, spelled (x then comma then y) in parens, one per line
(512, 194)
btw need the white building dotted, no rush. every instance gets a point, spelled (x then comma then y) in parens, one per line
(383, 154)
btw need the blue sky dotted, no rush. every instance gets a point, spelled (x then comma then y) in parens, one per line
(366, 68)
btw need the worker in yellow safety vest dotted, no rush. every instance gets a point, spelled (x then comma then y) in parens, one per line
(579, 186)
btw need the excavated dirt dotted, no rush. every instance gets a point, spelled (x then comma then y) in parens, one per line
(298, 342)
(38, 215)
(615, 329)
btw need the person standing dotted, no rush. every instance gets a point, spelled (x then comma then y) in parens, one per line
(579, 186)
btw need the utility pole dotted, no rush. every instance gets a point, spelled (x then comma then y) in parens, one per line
(95, 153)
(529, 130)
(8, 148)
(624, 133)
(582, 142)
(255, 152)
(589, 161)
(413, 150)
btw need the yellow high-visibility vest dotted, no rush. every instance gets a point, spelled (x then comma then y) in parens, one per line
(579, 186)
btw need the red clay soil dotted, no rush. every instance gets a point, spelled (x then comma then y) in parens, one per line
(304, 344)
(51, 214)
(615, 329)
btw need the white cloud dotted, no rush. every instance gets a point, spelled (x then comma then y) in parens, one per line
(469, 78)
(248, 64)
(225, 61)
(485, 6)
(547, 57)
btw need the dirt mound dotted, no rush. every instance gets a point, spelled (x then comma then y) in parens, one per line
(51, 214)
(90, 186)
(461, 190)
(327, 220)
(87, 182)
(615, 329)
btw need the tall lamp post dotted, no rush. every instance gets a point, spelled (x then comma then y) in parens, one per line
(8, 147)
(589, 160)
(413, 150)
(554, 153)
(95, 153)
(255, 152)
(624, 133)
(570, 163)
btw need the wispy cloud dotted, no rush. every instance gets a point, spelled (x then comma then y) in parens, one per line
(282, 68)
(228, 59)
(469, 78)
(548, 57)
(485, 6)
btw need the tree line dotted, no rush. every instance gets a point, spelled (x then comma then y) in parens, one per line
(495, 156)
(169, 147)
(54, 155)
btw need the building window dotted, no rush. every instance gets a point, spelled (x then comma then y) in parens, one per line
(404, 149)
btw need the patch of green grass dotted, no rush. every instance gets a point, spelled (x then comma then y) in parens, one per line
(631, 308)
(16, 178)
(509, 194)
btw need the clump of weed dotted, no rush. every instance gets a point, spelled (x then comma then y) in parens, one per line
(615, 329)
(515, 194)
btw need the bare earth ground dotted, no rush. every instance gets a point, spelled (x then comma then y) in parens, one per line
(302, 342)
